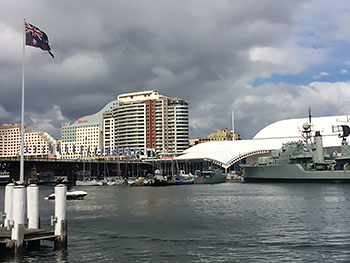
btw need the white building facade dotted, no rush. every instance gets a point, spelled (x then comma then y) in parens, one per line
(151, 121)
(80, 140)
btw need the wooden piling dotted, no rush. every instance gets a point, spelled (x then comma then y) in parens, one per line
(61, 240)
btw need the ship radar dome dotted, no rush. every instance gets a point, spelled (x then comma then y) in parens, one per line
(306, 126)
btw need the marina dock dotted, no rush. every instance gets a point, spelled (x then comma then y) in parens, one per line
(17, 233)
(30, 235)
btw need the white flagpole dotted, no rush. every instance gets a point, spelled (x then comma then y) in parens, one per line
(21, 174)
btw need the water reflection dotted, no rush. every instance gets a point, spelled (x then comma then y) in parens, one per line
(203, 223)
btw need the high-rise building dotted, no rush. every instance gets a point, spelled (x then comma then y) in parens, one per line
(149, 120)
(37, 144)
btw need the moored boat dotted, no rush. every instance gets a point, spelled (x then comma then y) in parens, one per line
(210, 176)
(4, 177)
(183, 178)
(91, 182)
(70, 195)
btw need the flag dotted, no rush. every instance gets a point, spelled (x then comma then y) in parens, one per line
(102, 151)
(124, 152)
(95, 151)
(36, 38)
(44, 150)
(27, 151)
(118, 152)
(67, 150)
(81, 149)
(88, 151)
(34, 148)
(73, 148)
(129, 152)
(58, 148)
(50, 148)
(108, 151)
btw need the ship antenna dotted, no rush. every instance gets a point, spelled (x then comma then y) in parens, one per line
(310, 116)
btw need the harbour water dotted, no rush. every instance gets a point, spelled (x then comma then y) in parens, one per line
(228, 222)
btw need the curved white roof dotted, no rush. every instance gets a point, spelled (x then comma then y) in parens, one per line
(226, 153)
(97, 117)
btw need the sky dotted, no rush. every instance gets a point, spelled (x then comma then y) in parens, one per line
(266, 60)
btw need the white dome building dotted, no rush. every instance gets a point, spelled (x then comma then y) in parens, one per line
(227, 153)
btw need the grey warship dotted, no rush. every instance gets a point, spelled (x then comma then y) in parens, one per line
(303, 160)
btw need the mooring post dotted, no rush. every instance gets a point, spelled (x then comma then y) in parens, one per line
(60, 217)
(8, 205)
(33, 206)
(18, 210)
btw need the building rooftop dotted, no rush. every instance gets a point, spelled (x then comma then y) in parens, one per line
(141, 95)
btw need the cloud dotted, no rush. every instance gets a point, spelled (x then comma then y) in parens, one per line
(320, 75)
(285, 60)
(204, 51)
(281, 101)
(324, 73)
(4, 114)
(343, 71)
(47, 121)
(11, 49)
(80, 67)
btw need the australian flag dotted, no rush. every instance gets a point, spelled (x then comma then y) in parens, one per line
(37, 38)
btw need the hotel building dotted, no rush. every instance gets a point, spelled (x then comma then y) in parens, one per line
(146, 121)
(36, 144)
(149, 120)
(85, 138)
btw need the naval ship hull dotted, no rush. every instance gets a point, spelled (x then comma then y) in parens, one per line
(292, 172)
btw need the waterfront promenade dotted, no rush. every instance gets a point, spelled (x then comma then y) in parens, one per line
(51, 169)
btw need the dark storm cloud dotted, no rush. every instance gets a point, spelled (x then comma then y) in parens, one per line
(196, 50)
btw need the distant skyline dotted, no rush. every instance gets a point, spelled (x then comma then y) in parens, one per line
(267, 60)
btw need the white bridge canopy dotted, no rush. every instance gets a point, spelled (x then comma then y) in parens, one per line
(226, 153)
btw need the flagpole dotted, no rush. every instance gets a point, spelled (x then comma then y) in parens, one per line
(21, 174)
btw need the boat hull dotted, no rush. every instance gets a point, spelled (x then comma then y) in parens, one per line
(88, 183)
(215, 178)
(292, 172)
(70, 195)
